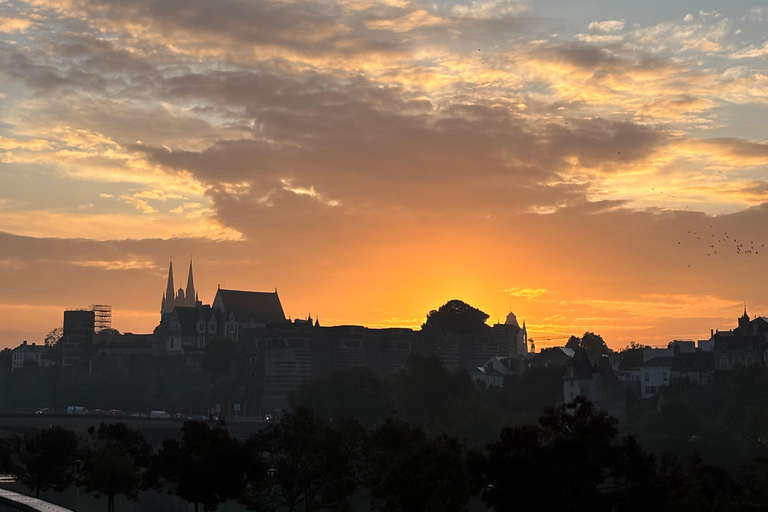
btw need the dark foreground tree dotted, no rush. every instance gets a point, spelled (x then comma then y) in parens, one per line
(303, 464)
(579, 448)
(43, 461)
(409, 472)
(116, 461)
(207, 467)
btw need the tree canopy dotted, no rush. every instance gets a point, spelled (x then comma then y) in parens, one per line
(44, 460)
(206, 467)
(118, 460)
(457, 317)
(591, 342)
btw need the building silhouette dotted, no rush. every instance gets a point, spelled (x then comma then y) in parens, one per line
(180, 297)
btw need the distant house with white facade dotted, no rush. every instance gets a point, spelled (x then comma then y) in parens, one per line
(29, 352)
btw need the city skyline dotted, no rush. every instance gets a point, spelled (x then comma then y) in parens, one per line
(591, 167)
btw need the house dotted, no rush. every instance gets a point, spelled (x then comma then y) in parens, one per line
(654, 373)
(496, 369)
(595, 380)
(29, 352)
(696, 367)
(743, 346)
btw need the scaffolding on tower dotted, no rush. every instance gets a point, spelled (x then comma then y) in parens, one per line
(103, 317)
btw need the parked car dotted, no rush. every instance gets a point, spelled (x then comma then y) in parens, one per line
(77, 409)
(159, 415)
(44, 410)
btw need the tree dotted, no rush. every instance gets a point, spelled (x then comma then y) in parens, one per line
(631, 356)
(408, 472)
(117, 461)
(425, 393)
(591, 342)
(579, 448)
(304, 464)
(206, 468)
(573, 343)
(44, 460)
(357, 392)
(6, 359)
(53, 336)
(456, 316)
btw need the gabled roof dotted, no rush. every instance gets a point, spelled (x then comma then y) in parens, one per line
(693, 362)
(582, 365)
(260, 307)
(658, 362)
(188, 317)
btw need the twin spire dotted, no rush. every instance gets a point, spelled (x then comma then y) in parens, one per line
(173, 298)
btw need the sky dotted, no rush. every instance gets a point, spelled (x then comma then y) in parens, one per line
(589, 165)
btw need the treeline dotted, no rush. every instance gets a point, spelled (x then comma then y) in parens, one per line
(725, 421)
(573, 459)
(429, 396)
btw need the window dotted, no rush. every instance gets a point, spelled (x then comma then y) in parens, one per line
(647, 377)
(665, 377)
(647, 390)
(724, 362)
(749, 360)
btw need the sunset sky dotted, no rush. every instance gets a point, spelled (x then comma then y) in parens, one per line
(570, 160)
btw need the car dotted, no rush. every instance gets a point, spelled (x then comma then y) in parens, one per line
(44, 410)
(116, 412)
(77, 409)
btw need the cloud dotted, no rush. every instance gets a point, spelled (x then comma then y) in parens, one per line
(525, 293)
(491, 9)
(750, 52)
(11, 25)
(606, 27)
(412, 21)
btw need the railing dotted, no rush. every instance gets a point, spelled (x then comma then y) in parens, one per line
(13, 502)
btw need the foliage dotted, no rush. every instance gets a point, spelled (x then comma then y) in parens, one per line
(206, 468)
(575, 446)
(117, 461)
(409, 472)
(53, 336)
(44, 460)
(591, 342)
(306, 466)
(357, 392)
(6, 359)
(457, 317)
(631, 356)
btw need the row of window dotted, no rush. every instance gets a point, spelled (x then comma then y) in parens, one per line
(664, 376)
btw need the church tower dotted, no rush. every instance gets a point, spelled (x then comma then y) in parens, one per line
(191, 295)
(169, 297)
(173, 298)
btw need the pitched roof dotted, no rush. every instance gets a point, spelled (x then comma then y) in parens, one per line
(260, 307)
(188, 317)
(693, 362)
(658, 362)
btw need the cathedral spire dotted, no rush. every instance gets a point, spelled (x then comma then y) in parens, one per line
(190, 294)
(169, 297)
(170, 292)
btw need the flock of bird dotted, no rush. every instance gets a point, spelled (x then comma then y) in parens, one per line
(725, 243)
